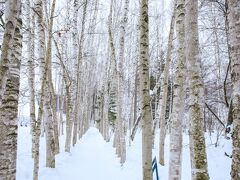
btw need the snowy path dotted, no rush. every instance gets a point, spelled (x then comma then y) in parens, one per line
(92, 158)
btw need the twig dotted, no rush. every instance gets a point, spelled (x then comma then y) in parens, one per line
(219, 120)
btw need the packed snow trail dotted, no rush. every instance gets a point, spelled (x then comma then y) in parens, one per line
(92, 158)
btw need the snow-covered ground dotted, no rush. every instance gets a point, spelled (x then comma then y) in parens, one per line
(92, 158)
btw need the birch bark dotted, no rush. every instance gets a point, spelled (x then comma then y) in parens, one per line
(164, 90)
(30, 25)
(197, 140)
(11, 55)
(51, 127)
(144, 91)
(46, 60)
(38, 6)
(175, 162)
(75, 59)
(113, 82)
(121, 83)
(79, 73)
(234, 23)
(11, 15)
(50, 141)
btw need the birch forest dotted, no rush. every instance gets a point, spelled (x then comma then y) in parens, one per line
(120, 89)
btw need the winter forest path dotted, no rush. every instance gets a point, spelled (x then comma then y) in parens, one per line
(92, 158)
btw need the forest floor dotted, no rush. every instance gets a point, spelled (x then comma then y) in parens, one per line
(92, 158)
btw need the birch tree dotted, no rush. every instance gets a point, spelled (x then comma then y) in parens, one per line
(113, 76)
(50, 134)
(144, 93)
(38, 7)
(75, 58)
(121, 84)
(79, 73)
(9, 84)
(164, 90)
(197, 140)
(175, 162)
(11, 15)
(30, 25)
(234, 24)
(45, 88)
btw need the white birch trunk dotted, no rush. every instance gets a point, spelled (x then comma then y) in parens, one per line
(68, 105)
(11, 14)
(234, 23)
(121, 83)
(30, 25)
(164, 90)
(79, 73)
(113, 77)
(144, 91)
(175, 162)
(197, 140)
(9, 99)
(45, 75)
(50, 142)
(75, 59)
(51, 135)
(41, 51)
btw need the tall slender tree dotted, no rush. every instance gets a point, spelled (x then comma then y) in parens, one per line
(197, 140)
(11, 14)
(38, 7)
(113, 75)
(45, 88)
(9, 92)
(175, 162)
(50, 138)
(162, 105)
(79, 62)
(10, 81)
(144, 91)
(75, 59)
(234, 24)
(121, 83)
(30, 25)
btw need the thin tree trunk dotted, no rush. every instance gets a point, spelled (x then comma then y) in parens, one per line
(10, 61)
(53, 105)
(11, 14)
(79, 66)
(234, 23)
(113, 76)
(135, 119)
(75, 59)
(121, 83)
(50, 141)
(51, 127)
(46, 61)
(30, 23)
(197, 140)
(41, 51)
(164, 90)
(105, 112)
(144, 91)
(68, 105)
(175, 162)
